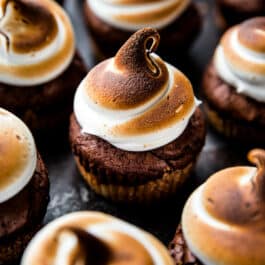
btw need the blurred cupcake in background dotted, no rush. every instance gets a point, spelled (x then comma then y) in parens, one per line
(223, 220)
(60, 1)
(234, 81)
(112, 22)
(39, 65)
(24, 188)
(94, 238)
(137, 130)
(236, 11)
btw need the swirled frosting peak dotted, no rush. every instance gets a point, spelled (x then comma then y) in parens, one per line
(224, 219)
(240, 58)
(17, 155)
(91, 238)
(132, 15)
(130, 79)
(135, 100)
(36, 41)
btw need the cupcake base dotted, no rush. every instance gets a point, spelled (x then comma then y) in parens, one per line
(175, 38)
(179, 250)
(230, 113)
(234, 129)
(48, 106)
(236, 11)
(137, 177)
(21, 216)
(147, 193)
(11, 251)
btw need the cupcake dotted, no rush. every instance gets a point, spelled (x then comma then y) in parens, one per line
(136, 131)
(111, 23)
(94, 238)
(24, 187)
(233, 84)
(223, 221)
(236, 11)
(39, 67)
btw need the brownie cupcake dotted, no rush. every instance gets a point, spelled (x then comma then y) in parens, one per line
(39, 67)
(111, 23)
(24, 187)
(223, 220)
(236, 11)
(94, 238)
(136, 131)
(234, 81)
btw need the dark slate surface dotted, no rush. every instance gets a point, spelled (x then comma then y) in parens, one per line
(69, 192)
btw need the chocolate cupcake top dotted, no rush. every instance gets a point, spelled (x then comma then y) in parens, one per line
(133, 15)
(94, 238)
(240, 58)
(135, 100)
(18, 156)
(36, 41)
(224, 220)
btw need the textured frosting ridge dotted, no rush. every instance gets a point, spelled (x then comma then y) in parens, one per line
(240, 58)
(133, 15)
(94, 238)
(17, 155)
(224, 219)
(36, 41)
(135, 101)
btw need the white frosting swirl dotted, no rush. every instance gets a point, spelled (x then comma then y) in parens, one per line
(18, 156)
(103, 122)
(241, 66)
(36, 42)
(133, 15)
(113, 232)
(135, 101)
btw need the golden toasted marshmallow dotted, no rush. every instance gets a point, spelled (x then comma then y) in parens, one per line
(224, 219)
(240, 58)
(94, 238)
(132, 15)
(17, 155)
(36, 41)
(132, 78)
(244, 45)
(135, 95)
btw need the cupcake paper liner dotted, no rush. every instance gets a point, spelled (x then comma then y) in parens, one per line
(145, 193)
(234, 129)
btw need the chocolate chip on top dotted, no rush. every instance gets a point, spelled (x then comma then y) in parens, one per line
(133, 77)
(26, 25)
(252, 34)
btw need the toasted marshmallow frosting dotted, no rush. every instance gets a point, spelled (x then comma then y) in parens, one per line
(132, 15)
(94, 238)
(224, 219)
(18, 156)
(36, 41)
(135, 101)
(240, 58)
